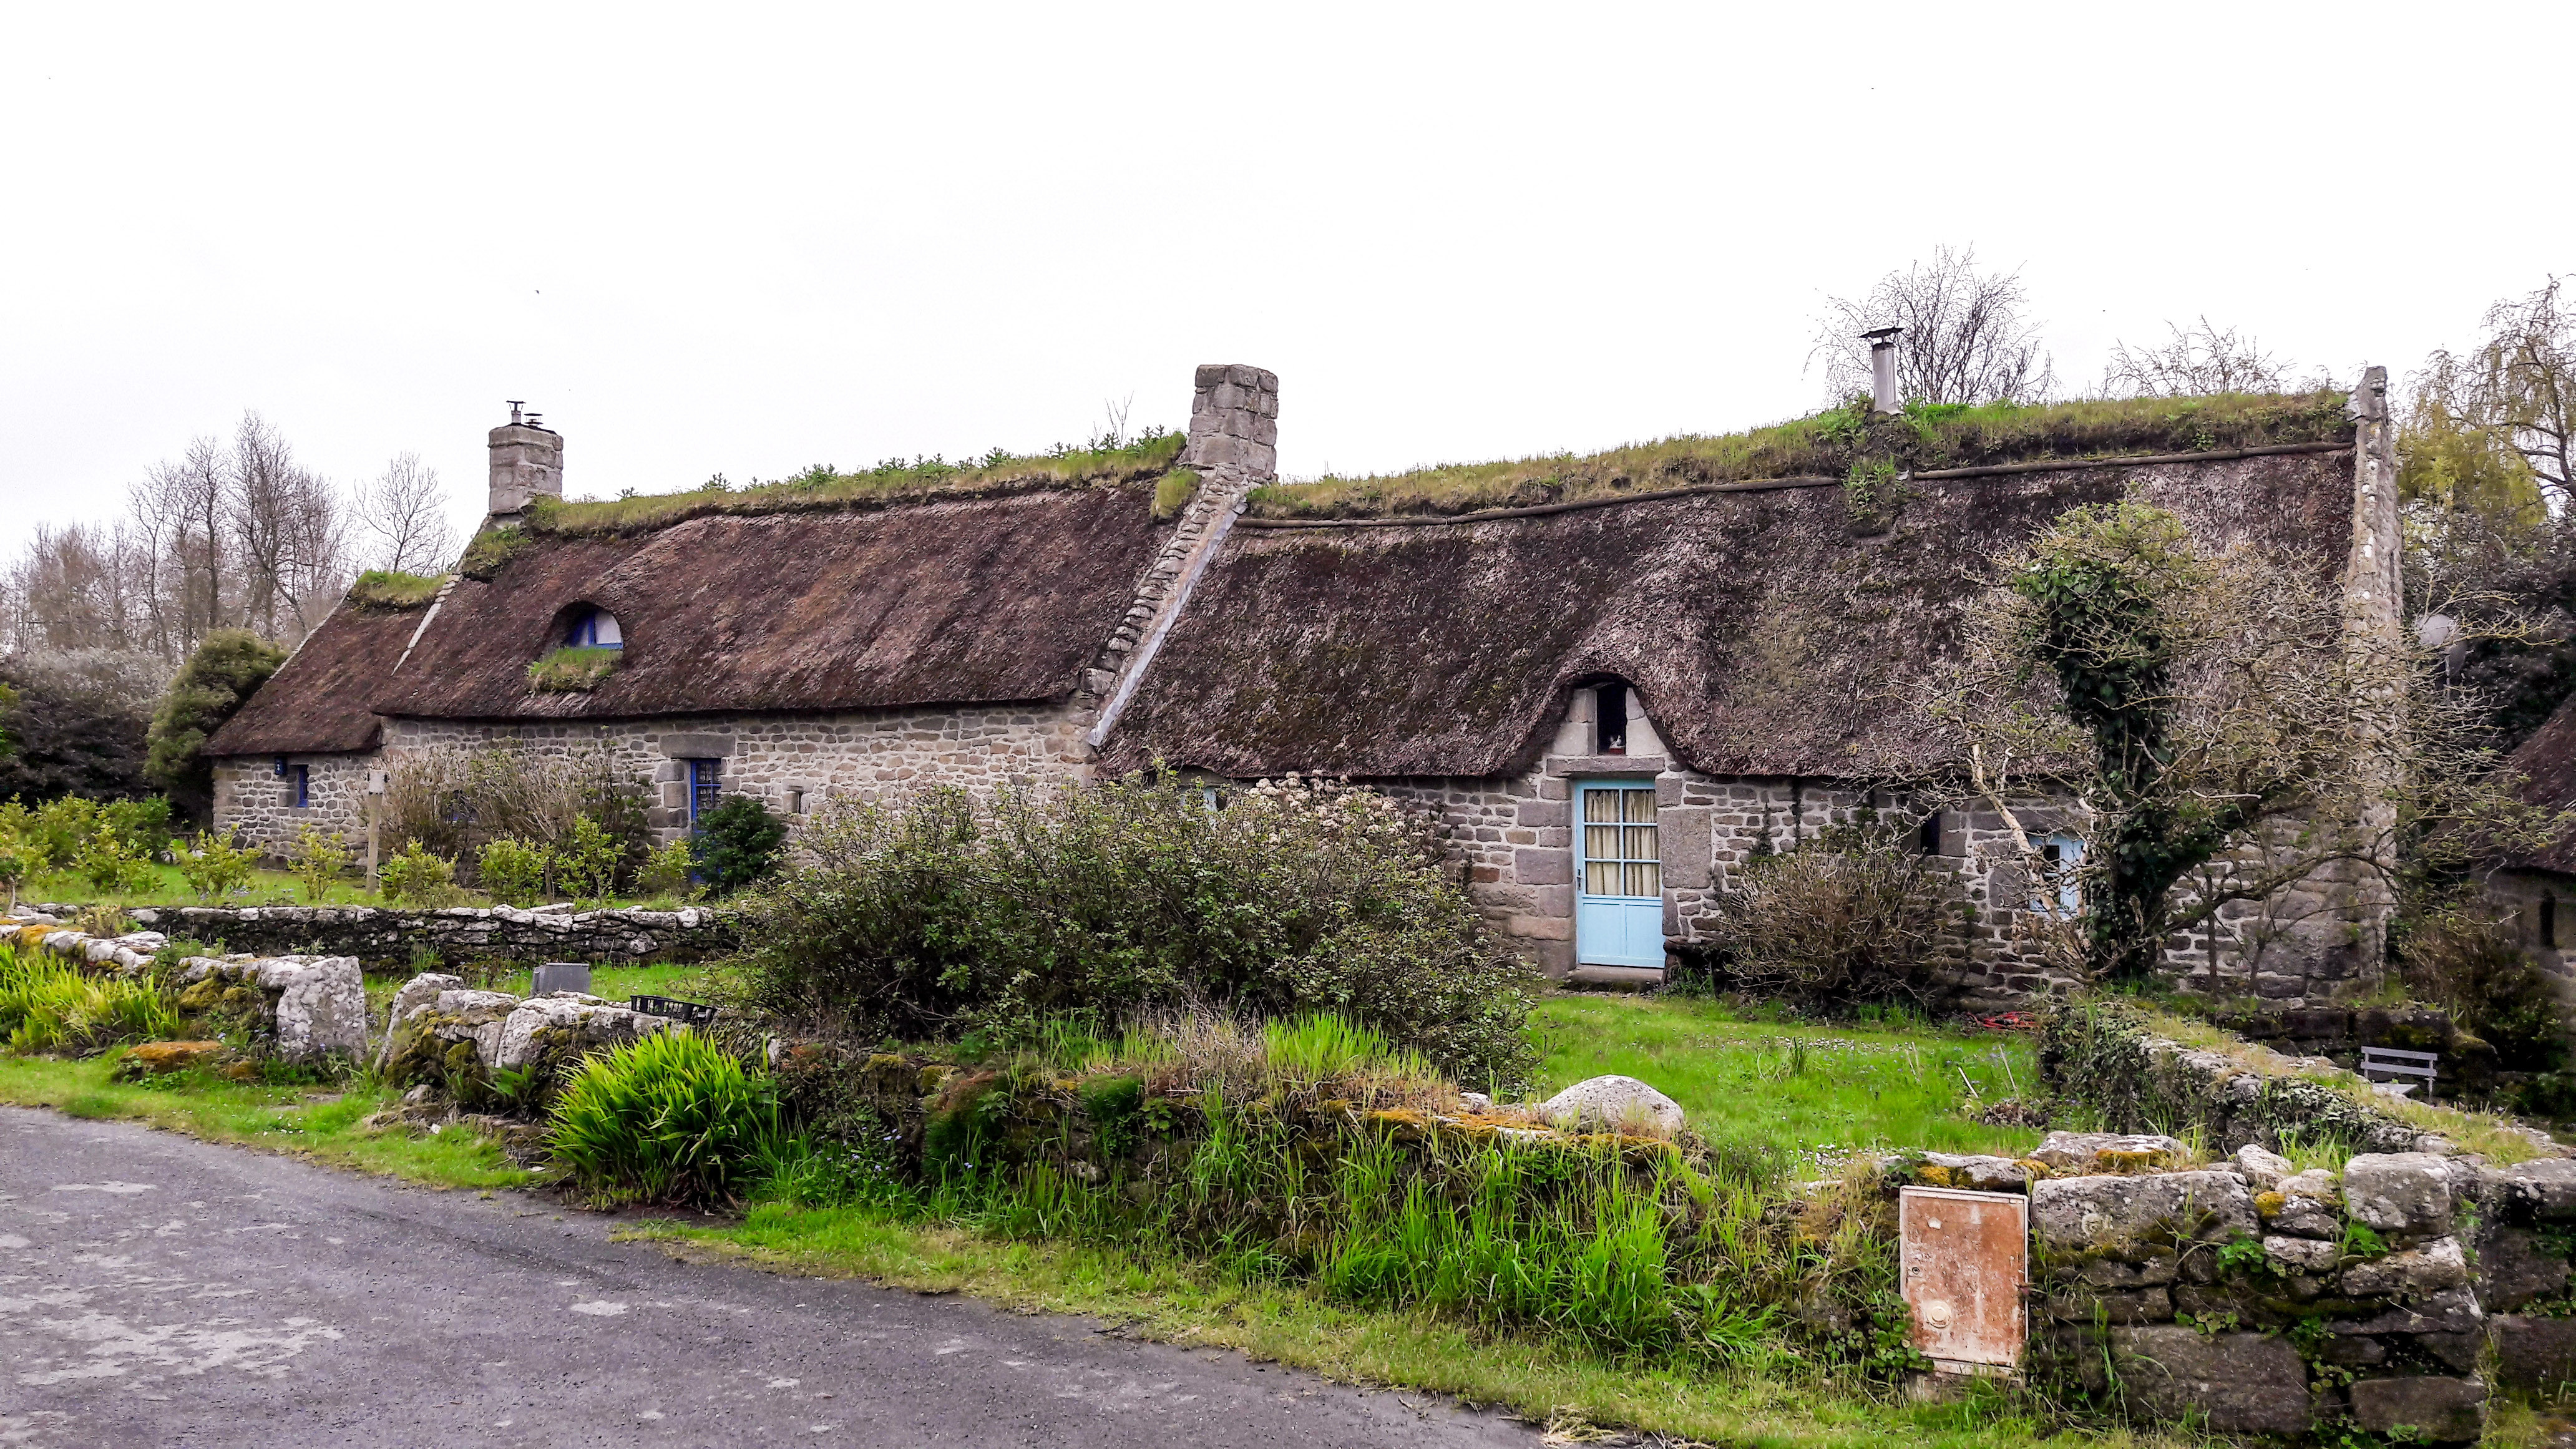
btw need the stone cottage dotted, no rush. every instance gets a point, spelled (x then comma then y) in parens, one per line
(1611, 699)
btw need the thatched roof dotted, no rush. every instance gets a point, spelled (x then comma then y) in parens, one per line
(1759, 634)
(973, 601)
(2547, 764)
(316, 703)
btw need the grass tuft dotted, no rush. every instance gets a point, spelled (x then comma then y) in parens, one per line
(573, 669)
(386, 591)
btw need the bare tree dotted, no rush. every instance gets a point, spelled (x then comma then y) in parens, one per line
(2193, 362)
(290, 532)
(2517, 389)
(1967, 334)
(403, 512)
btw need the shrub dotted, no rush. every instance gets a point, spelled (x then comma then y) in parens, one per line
(228, 666)
(214, 867)
(110, 864)
(1089, 904)
(75, 721)
(2464, 964)
(414, 877)
(1840, 920)
(673, 1118)
(49, 1006)
(738, 843)
(18, 860)
(318, 858)
(587, 861)
(513, 871)
(666, 872)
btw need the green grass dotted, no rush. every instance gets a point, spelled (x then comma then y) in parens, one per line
(385, 591)
(1174, 1301)
(1820, 1089)
(319, 1122)
(1825, 445)
(573, 669)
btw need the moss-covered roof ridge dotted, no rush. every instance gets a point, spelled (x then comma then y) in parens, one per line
(1826, 446)
(822, 489)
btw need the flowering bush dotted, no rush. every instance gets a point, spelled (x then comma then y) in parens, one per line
(1085, 905)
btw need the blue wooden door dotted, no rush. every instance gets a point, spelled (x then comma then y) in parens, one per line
(1618, 876)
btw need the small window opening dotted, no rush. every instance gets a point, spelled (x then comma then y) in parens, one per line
(594, 629)
(1610, 720)
(2549, 922)
(281, 767)
(1928, 836)
(796, 801)
(303, 786)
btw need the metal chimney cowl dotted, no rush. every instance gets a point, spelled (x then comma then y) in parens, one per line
(1882, 370)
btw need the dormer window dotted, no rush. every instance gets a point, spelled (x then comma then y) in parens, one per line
(594, 629)
(1610, 720)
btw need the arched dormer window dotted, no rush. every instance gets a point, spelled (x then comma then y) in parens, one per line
(593, 628)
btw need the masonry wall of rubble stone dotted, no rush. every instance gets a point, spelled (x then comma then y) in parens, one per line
(255, 802)
(384, 938)
(2258, 1298)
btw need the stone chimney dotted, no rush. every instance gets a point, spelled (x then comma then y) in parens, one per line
(527, 462)
(1234, 421)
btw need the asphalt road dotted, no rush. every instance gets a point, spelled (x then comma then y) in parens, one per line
(155, 1290)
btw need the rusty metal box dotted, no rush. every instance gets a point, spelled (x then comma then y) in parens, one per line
(1966, 1260)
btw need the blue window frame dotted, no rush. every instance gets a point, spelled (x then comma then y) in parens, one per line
(1618, 875)
(2062, 853)
(706, 787)
(594, 629)
(303, 786)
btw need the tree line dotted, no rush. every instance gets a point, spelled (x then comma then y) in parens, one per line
(234, 544)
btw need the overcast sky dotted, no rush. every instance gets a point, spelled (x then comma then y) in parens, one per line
(744, 239)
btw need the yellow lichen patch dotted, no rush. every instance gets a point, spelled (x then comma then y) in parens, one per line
(156, 1057)
(2269, 1204)
(1932, 1174)
(31, 937)
(2032, 1165)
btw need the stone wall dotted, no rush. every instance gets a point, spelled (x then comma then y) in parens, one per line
(384, 938)
(794, 764)
(258, 806)
(2263, 1299)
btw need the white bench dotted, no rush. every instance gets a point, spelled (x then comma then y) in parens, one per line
(2382, 1064)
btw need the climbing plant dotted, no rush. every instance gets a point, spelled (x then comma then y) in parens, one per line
(2222, 733)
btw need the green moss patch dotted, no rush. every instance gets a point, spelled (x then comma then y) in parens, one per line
(386, 591)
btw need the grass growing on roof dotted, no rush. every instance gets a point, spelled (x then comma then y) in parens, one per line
(1825, 446)
(573, 669)
(1798, 1087)
(389, 591)
(823, 487)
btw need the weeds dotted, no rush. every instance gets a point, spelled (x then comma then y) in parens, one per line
(49, 1006)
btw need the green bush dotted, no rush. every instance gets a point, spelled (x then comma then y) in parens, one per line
(738, 843)
(666, 871)
(513, 871)
(414, 877)
(586, 863)
(1088, 904)
(110, 863)
(215, 682)
(47, 1005)
(673, 1118)
(214, 867)
(2453, 958)
(318, 858)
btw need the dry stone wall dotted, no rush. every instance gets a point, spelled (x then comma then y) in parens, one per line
(386, 937)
